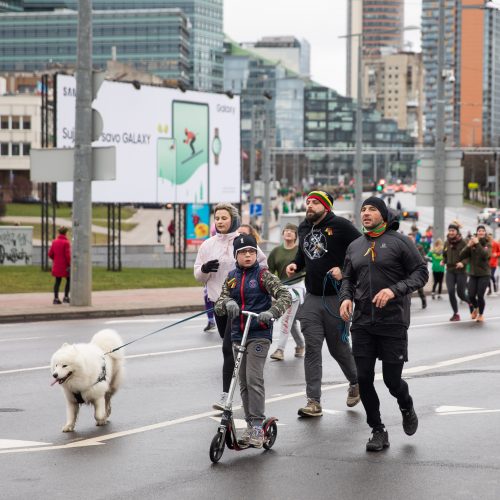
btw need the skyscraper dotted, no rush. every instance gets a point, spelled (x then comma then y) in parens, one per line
(205, 18)
(381, 24)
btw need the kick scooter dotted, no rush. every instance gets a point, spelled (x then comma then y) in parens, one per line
(226, 433)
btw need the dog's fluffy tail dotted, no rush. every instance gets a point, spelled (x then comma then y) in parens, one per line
(108, 340)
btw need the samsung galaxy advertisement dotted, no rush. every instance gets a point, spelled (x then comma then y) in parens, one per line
(171, 146)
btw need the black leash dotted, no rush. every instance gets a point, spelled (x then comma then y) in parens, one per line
(159, 330)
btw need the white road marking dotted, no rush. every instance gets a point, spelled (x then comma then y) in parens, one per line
(168, 423)
(147, 320)
(15, 339)
(14, 443)
(450, 323)
(332, 412)
(462, 410)
(145, 355)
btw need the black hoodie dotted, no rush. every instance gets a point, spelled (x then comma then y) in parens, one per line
(321, 247)
(396, 264)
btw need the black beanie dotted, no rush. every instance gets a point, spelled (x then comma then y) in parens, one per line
(244, 241)
(379, 204)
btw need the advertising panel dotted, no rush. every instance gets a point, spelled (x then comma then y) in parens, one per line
(197, 223)
(16, 245)
(171, 146)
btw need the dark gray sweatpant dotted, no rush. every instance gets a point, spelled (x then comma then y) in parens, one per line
(253, 394)
(317, 325)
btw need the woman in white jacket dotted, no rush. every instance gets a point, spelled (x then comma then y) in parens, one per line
(214, 261)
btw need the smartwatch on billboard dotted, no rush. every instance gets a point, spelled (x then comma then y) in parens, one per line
(216, 146)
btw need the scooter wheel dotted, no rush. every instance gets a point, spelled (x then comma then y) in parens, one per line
(217, 447)
(271, 435)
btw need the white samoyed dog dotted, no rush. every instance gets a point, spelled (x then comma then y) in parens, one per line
(89, 376)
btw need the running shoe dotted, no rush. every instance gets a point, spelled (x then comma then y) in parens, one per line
(257, 437)
(410, 421)
(378, 441)
(455, 317)
(221, 404)
(312, 409)
(353, 397)
(278, 354)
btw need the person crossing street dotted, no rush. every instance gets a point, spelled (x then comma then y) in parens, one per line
(381, 270)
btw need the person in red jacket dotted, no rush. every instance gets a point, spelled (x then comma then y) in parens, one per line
(60, 253)
(495, 253)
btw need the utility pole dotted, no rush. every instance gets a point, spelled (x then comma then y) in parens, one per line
(440, 136)
(358, 161)
(253, 141)
(81, 263)
(266, 173)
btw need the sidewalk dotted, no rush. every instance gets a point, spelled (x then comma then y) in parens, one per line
(38, 306)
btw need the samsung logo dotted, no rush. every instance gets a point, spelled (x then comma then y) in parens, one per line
(222, 108)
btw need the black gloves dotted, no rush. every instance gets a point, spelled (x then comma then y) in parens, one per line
(266, 317)
(211, 266)
(232, 308)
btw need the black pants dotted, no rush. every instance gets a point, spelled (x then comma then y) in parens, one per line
(392, 379)
(458, 281)
(477, 288)
(438, 281)
(493, 280)
(224, 328)
(57, 285)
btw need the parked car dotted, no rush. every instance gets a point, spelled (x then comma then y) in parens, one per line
(409, 215)
(493, 218)
(484, 214)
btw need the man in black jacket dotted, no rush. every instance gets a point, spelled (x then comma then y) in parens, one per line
(323, 240)
(381, 270)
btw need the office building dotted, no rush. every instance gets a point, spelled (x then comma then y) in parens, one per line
(293, 53)
(164, 43)
(330, 121)
(393, 84)
(381, 25)
(11, 6)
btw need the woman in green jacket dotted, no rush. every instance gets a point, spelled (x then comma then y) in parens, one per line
(478, 251)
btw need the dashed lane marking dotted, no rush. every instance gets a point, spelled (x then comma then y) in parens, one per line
(98, 440)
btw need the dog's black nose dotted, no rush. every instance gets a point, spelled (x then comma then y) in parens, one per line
(54, 375)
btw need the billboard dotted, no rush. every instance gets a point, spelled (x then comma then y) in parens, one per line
(197, 223)
(171, 146)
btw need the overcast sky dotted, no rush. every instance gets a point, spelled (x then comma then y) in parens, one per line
(320, 22)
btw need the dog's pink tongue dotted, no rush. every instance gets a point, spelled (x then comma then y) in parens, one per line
(55, 382)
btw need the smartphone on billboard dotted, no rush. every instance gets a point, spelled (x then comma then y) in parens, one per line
(191, 134)
(166, 165)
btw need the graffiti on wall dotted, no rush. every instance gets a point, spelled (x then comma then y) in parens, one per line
(16, 245)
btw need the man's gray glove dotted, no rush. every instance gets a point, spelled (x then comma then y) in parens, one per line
(232, 309)
(266, 317)
(212, 266)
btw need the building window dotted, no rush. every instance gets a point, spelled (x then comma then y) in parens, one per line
(27, 122)
(16, 149)
(16, 122)
(4, 122)
(26, 148)
(4, 149)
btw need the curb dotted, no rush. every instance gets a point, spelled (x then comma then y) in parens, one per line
(101, 313)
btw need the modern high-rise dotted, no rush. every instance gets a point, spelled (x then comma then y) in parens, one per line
(204, 23)
(379, 24)
(394, 85)
(156, 41)
(11, 6)
(471, 72)
(293, 53)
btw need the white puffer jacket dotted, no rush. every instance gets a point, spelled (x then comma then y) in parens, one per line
(220, 247)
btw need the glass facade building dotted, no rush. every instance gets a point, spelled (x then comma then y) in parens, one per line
(204, 27)
(155, 41)
(330, 121)
(12, 6)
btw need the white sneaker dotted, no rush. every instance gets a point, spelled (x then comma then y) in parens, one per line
(221, 404)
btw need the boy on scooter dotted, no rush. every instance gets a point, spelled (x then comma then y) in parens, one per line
(250, 287)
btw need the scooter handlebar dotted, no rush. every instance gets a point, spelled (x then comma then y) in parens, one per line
(255, 315)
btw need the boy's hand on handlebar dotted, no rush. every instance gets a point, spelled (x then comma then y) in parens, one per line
(232, 309)
(266, 317)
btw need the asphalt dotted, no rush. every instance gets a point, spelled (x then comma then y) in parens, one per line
(21, 307)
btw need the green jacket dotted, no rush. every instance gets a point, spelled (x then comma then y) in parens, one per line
(479, 258)
(436, 259)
